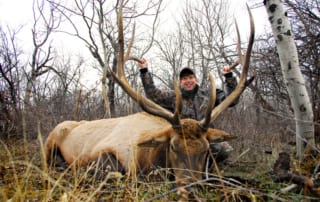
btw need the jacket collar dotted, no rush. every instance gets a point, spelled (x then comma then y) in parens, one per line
(190, 93)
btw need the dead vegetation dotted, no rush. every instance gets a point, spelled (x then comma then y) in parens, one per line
(251, 174)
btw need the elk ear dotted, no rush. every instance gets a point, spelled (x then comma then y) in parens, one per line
(154, 139)
(154, 142)
(216, 135)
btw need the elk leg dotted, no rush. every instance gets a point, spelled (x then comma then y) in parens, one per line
(105, 164)
(56, 159)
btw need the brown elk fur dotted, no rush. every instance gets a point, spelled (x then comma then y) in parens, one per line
(139, 141)
(142, 141)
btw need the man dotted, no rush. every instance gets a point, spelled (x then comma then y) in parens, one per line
(194, 99)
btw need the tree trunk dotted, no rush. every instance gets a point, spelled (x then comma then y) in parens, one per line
(104, 93)
(295, 83)
(25, 111)
(111, 92)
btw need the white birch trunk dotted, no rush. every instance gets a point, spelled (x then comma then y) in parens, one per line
(292, 75)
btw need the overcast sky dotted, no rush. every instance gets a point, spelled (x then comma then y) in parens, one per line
(15, 13)
(19, 12)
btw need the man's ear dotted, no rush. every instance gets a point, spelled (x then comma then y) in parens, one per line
(179, 82)
(216, 135)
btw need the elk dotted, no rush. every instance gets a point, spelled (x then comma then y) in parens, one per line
(140, 142)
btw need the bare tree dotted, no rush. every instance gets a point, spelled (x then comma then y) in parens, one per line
(207, 28)
(41, 59)
(269, 88)
(292, 75)
(10, 80)
(172, 50)
(98, 19)
(58, 90)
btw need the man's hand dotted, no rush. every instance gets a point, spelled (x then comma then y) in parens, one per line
(226, 70)
(143, 64)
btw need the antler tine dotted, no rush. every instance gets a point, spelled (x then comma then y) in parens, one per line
(127, 56)
(205, 122)
(240, 55)
(122, 58)
(245, 62)
(178, 106)
(134, 58)
(233, 65)
(152, 108)
(146, 104)
(251, 39)
(120, 64)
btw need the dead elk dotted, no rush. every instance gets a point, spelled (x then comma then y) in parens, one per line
(139, 142)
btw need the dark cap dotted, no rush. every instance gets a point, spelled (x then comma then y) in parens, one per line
(186, 71)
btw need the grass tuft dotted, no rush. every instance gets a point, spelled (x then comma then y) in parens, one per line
(34, 180)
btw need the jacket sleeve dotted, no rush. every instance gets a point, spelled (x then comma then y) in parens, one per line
(229, 85)
(165, 98)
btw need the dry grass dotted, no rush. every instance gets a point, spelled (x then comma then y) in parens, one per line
(33, 180)
(246, 177)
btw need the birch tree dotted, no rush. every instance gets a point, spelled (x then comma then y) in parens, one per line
(295, 83)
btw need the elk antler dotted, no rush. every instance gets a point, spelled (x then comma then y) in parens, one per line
(145, 103)
(244, 60)
(205, 122)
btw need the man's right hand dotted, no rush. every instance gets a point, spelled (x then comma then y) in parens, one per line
(143, 64)
(226, 70)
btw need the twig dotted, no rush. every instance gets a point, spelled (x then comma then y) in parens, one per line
(242, 154)
(226, 182)
(288, 188)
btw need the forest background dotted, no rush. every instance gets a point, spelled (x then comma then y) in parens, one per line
(54, 60)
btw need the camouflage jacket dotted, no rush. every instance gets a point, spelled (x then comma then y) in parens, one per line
(194, 107)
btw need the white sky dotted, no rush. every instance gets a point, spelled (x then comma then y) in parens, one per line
(14, 13)
(19, 12)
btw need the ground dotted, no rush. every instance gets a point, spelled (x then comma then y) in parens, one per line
(236, 180)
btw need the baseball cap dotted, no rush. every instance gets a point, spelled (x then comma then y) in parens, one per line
(186, 71)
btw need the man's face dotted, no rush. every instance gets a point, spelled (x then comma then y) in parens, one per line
(188, 82)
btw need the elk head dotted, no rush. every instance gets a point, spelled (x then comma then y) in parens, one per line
(188, 140)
